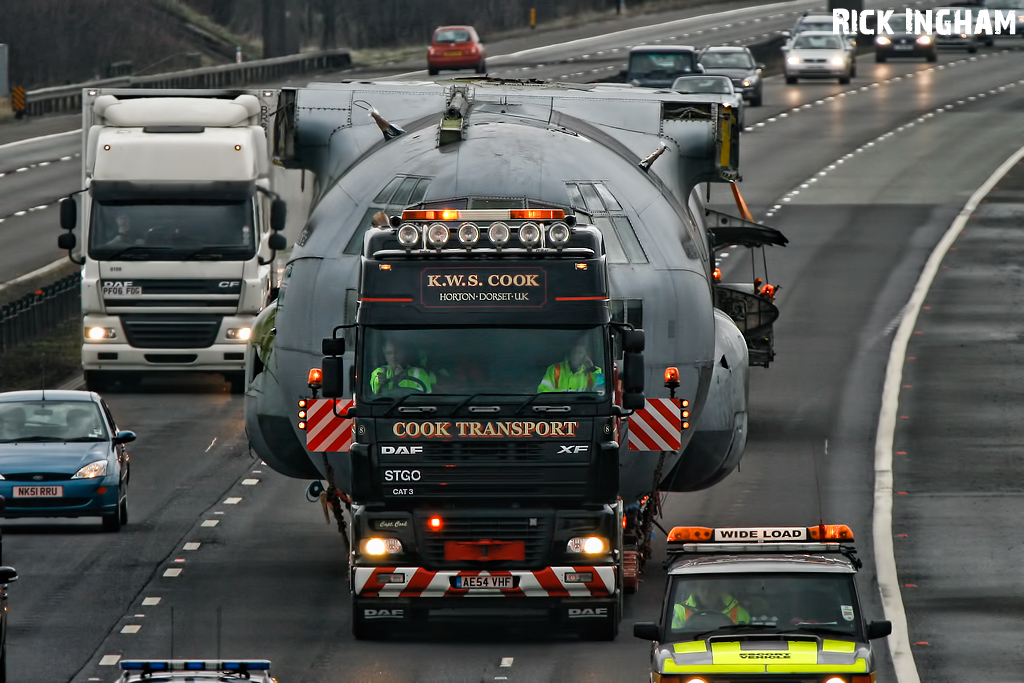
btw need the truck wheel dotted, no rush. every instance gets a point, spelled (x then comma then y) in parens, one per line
(361, 629)
(237, 381)
(608, 629)
(95, 381)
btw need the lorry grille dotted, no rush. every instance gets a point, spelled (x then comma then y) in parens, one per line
(171, 332)
(533, 528)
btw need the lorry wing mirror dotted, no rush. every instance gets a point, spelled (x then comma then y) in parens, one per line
(333, 377)
(278, 213)
(277, 242)
(879, 629)
(66, 241)
(332, 346)
(633, 401)
(633, 373)
(68, 213)
(633, 341)
(646, 630)
(8, 575)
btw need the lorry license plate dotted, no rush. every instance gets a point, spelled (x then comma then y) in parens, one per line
(119, 289)
(485, 581)
(38, 491)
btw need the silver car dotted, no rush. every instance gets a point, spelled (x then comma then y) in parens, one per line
(818, 54)
(712, 89)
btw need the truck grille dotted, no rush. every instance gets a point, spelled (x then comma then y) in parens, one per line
(171, 332)
(516, 526)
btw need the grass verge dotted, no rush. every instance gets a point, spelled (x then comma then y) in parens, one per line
(46, 362)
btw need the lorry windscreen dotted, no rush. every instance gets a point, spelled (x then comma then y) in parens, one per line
(167, 230)
(782, 601)
(661, 64)
(484, 360)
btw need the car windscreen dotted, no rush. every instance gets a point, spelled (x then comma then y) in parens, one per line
(815, 26)
(457, 35)
(715, 85)
(781, 602)
(806, 42)
(491, 360)
(27, 421)
(660, 64)
(727, 60)
(164, 230)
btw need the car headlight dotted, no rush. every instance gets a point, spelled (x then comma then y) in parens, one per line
(882, 40)
(588, 545)
(838, 61)
(100, 333)
(746, 83)
(92, 470)
(924, 40)
(242, 333)
(793, 60)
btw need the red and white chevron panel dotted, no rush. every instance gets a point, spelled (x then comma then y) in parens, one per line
(325, 431)
(543, 583)
(656, 427)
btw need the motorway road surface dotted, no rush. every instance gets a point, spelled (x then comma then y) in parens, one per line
(890, 173)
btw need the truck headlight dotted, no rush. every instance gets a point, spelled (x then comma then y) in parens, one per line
(588, 545)
(242, 333)
(100, 333)
(92, 470)
(381, 546)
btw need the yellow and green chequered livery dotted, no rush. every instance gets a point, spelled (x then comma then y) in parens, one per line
(811, 656)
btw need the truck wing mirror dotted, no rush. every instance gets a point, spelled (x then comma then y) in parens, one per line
(8, 575)
(277, 242)
(633, 341)
(278, 214)
(66, 241)
(333, 377)
(332, 346)
(633, 401)
(879, 629)
(646, 630)
(633, 373)
(68, 213)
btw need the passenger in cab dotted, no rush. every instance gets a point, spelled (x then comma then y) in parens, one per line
(576, 373)
(708, 598)
(397, 374)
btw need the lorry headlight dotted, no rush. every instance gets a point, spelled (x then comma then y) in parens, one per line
(529, 234)
(558, 234)
(468, 234)
(98, 333)
(589, 545)
(498, 233)
(382, 546)
(437, 235)
(408, 235)
(242, 333)
(92, 470)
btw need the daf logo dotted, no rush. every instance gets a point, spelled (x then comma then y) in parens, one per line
(573, 449)
(224, 284)
(588, 612)
(384, 613)
(402, 475)
(401, 450)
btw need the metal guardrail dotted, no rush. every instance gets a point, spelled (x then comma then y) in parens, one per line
(67, 98)
(38, 312)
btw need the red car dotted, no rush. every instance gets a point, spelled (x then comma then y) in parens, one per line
(456, 47)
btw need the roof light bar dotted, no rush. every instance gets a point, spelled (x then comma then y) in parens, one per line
(537, 214)
(195, 665)
(759, 535)
(483, 215)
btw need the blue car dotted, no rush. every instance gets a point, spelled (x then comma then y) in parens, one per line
(61, 455)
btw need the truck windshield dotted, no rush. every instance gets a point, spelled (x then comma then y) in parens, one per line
(812, 602)
(660, 64)
(491, 361)
(172, 231)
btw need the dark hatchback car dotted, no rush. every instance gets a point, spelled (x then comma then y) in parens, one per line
(905, 41)
(658, 66)
(738, 65)
(61, 455)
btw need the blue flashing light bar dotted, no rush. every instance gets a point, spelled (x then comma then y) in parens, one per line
(195, 665)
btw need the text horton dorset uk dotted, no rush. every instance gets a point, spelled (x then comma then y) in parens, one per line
(949, 21)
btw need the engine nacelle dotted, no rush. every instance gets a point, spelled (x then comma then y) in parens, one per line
(720, 431)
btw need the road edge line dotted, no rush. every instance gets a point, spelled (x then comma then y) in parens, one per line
(34, 274)
(51, 136)
(885, 557)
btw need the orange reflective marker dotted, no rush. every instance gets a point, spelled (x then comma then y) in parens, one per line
(536, 214)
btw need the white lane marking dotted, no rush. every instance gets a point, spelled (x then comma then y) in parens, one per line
(172, 572)
(232, 501)
(506, 662)
(211, 445)
(191, 546)
(150, 601)
(211, 522)
(109, 660)
(257, 471)
(131, 628)
(250, 482)
(885, 556)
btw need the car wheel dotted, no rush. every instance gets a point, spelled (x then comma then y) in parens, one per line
(432, 71)
(112, 522)
(790, 80)
(972, 49)
(880, 58)
(989, 42)
(933, 57)
(757, 100)
(122, 510)
(844, 80)
(481, 68)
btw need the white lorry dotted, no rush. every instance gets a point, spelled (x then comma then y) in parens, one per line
(179, 230)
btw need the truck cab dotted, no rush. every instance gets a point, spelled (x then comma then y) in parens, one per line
(178, 228)
(779, 603)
